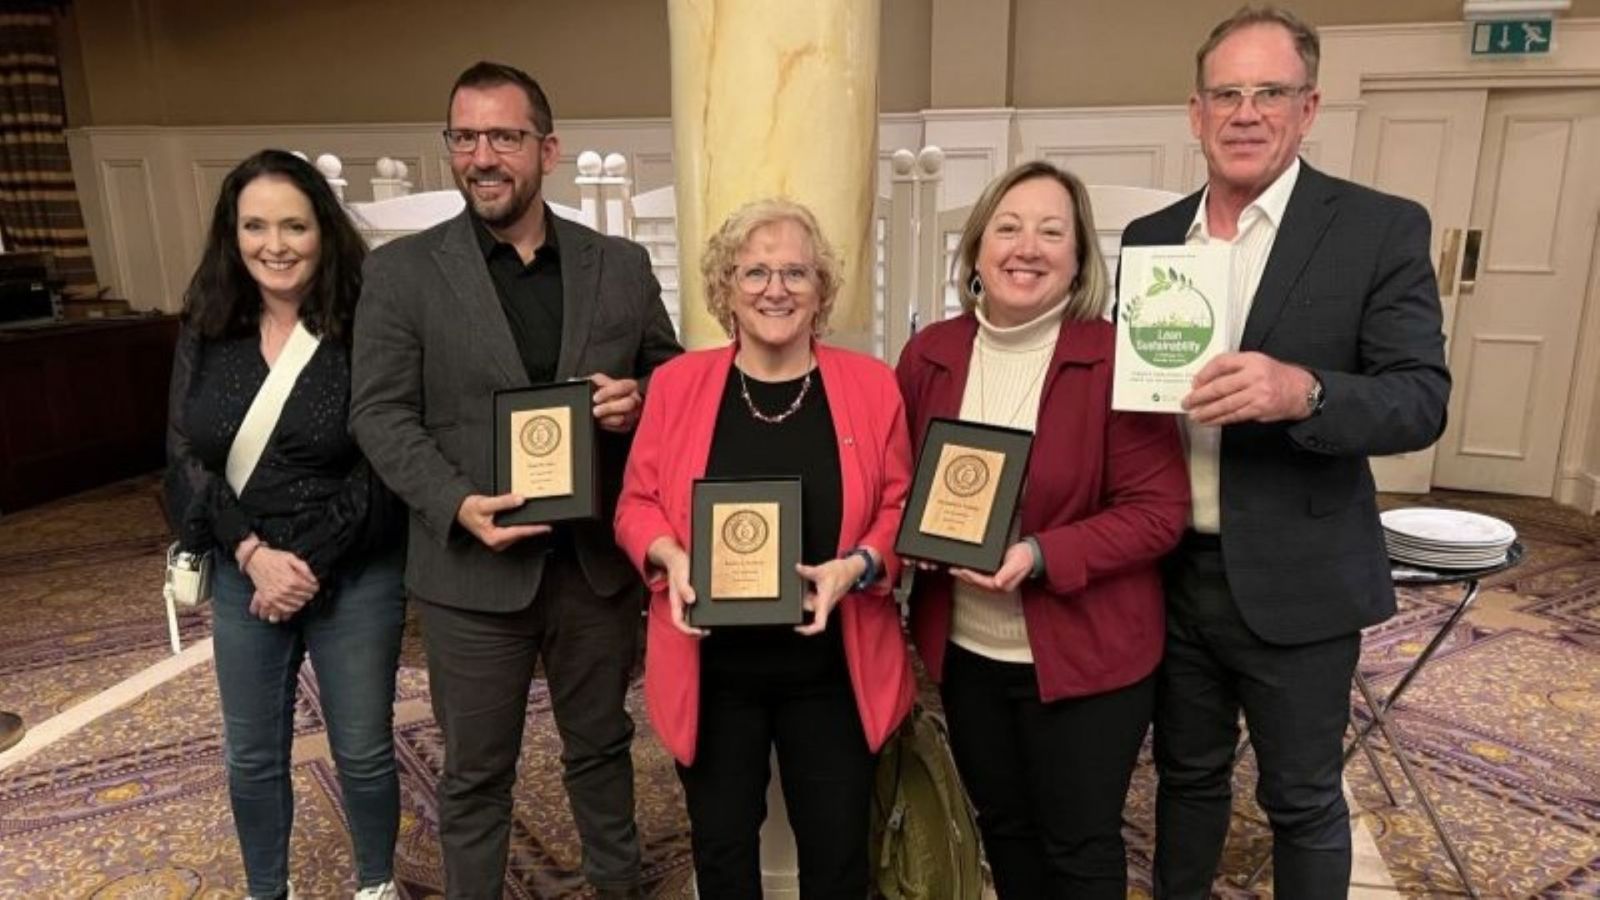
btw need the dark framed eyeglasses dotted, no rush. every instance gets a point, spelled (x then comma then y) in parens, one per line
(1268, 98)
(501, 140)
(756, 279)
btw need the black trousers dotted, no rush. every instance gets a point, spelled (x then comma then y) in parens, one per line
(758, 690)
(1296, 702)
(1048, 779)
(480, 666)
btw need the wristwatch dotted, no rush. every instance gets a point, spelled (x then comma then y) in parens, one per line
(869, 575)
(1314, 397)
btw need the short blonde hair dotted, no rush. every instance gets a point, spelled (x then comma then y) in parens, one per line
(1086, 296)
(717, 264)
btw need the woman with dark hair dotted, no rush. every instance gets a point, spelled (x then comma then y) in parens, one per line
(305, 550)
(1046, 667)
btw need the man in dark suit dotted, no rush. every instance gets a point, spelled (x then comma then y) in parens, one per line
(1337, 354)
(506, 295)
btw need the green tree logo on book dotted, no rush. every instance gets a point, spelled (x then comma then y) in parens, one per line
(1171, 323)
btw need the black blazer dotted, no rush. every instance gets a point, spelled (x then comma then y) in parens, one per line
(432, 345)
(1348, 293)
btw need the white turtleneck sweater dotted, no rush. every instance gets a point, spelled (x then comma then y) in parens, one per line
(1005, 381)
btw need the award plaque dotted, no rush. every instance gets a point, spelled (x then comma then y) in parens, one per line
(544, 449)
(745, 543)
(969, 477)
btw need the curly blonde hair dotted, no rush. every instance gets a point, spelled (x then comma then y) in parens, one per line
(718, 263)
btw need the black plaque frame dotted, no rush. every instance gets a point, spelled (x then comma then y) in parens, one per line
(788, 608)
(1015, 445)
(584, 501)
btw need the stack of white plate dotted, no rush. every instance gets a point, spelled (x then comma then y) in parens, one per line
(1446, 538)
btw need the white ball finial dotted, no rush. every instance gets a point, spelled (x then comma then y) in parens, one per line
(386, 168)
(329, 165)
(301, 154)
(401, 170)
(931, 159)
(589, 164)
(902, 160)
(616, 165)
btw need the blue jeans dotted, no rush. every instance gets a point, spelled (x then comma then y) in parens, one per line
(352, 632)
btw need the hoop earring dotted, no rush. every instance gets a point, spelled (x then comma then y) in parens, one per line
(975, 287)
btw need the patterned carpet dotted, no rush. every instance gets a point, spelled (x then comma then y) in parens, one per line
(135, 804)
(1504, 727)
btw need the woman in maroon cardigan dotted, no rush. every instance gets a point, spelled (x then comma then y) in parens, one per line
(1046, 666)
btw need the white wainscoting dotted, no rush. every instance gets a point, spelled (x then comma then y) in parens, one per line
(148, 192)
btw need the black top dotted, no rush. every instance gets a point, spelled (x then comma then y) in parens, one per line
(802, 446)
(531, 296)
(805, 446)
(312, 493)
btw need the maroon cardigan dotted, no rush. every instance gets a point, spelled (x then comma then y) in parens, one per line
(1106, 496)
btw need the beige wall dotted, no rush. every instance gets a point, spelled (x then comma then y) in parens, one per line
(970, 39)
(1070, 53)
(200, 62)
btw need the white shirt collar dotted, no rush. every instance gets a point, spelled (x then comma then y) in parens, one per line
(1272, 203)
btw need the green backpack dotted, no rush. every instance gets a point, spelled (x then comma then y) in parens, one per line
(924, 832)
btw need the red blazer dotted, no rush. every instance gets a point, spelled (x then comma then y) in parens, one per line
(670, 450)
(1106, 496)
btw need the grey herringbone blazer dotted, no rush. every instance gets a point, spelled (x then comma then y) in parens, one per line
(432, 345)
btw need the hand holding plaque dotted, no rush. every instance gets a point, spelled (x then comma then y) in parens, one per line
(969, 478)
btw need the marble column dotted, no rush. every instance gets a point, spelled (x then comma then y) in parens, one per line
(776, 97)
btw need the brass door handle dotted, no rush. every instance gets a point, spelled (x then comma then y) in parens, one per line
(1449, 261)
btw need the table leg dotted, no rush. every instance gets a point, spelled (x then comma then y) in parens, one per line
(1416, 667)
(1381, 720)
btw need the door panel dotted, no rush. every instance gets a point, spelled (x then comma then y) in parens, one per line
(1423, 145)
(1536, 203)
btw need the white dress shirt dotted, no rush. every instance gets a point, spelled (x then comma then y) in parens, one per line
(1252, 245)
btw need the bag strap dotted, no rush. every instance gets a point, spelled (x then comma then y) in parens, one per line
(265, 409)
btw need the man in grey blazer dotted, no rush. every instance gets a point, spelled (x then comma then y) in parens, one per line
(1338, 355)
(502, 296)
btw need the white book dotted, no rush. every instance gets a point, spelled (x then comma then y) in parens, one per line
(1172, 318)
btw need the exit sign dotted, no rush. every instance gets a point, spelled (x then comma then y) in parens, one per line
(1512, 37)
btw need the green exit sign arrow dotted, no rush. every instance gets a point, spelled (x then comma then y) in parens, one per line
(1512, 37)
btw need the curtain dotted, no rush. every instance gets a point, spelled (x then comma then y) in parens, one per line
(39, 208)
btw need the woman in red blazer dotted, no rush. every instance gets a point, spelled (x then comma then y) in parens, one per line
(1046, 666)
(775, 402)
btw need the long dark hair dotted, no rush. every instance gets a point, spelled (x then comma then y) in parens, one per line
(224, 301)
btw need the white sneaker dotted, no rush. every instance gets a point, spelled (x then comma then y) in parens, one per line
(383, 891)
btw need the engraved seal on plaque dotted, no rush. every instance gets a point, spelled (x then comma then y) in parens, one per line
(966, 475)
(745, 532)
(540, 435)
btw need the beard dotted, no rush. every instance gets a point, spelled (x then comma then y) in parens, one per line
(503, 211)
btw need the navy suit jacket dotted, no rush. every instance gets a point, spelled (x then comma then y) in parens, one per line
(1348, 293)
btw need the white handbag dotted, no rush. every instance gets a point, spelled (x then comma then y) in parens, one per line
(188, 581)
